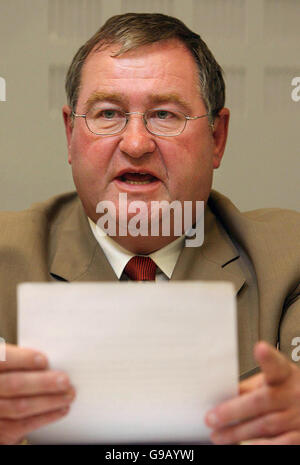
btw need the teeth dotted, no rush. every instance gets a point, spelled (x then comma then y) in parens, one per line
(138, 182)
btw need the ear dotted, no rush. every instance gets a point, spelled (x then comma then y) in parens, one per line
(220, 131)
(66, 111)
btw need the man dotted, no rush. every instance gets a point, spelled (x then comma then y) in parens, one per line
(146, 118)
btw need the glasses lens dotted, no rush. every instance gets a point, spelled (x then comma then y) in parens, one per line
(165, 122)
(105, 121)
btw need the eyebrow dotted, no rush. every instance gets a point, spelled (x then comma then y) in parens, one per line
(158, 99)
(102, 96)
(153, 99)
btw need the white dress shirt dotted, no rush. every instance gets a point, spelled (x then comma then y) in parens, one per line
(118, 257)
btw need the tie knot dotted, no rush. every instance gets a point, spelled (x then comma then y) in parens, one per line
(141, 269)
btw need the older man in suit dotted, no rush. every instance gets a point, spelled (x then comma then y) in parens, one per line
(146, 118)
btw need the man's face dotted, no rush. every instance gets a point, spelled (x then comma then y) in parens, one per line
(162, 75)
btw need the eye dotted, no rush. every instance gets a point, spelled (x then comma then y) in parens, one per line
(163, 114)
(108, 114)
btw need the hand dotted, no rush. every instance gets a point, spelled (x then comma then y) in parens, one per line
(267, 411)
(31, 395)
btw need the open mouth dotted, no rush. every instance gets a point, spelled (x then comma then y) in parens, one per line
(137, 178)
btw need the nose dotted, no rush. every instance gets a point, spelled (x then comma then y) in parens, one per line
(136, 140)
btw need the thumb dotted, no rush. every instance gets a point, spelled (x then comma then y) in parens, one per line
(275, 366)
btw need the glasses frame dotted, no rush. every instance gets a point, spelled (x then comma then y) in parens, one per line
(128, 114)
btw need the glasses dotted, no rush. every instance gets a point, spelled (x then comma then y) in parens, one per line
(159, 122)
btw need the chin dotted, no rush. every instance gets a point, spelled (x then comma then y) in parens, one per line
(143, 245)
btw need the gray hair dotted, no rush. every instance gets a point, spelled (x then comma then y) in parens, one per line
(133, 30)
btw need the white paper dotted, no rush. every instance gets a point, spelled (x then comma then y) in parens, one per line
(147, 359)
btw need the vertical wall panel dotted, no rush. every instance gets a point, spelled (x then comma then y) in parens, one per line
(281, 19)
(68, 19)
(221, 19)
(148, 6)
(57, 74)
(236, 90)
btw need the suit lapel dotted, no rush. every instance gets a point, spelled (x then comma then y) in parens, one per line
(75, 253)
(216, 260)
(257, 236)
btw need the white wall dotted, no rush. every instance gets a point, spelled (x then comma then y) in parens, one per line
(256, 41)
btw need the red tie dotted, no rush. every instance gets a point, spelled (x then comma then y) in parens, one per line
(141, 269)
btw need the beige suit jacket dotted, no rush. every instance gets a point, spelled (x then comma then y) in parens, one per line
(258, 251)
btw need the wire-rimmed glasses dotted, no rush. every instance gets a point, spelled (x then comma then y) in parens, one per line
(158, 121)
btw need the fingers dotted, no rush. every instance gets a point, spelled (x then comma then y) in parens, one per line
(255, 403)
(20, 358)
(265, 426)
(268, 406)
(22, 383)
(289, 439)
(23, 407)
(12, 431)
(31, 395)
(274, 365)
(251, 383)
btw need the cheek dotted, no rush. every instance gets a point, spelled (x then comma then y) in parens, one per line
(189, 163)
(90, 156)
(191, 169)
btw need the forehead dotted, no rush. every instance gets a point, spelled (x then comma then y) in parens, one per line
(163, 67)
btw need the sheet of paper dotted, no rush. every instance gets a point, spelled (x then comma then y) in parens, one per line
(147, 359)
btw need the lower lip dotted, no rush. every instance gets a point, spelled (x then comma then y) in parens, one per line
(126, 187)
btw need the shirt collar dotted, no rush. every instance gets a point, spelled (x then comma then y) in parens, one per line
(118, 257)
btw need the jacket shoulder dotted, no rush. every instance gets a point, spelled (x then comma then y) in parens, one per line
(270, 234)
(283, 218)
(34, 222)
(49, 209)
(276, 215)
